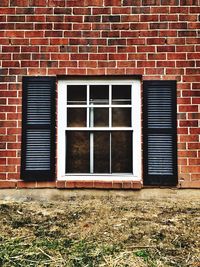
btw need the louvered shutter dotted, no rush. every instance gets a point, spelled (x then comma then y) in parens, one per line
(38, 129)
(159, 133)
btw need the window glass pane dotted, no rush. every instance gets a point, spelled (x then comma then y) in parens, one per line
(76, 94)
(99, 117)
(78, 152)
(99, 94)
(101, 152)
(121, 94)
(121, 117)
(76, 117)
(121, 152)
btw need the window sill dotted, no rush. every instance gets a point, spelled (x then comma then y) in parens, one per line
(99, 177)
(100, 184)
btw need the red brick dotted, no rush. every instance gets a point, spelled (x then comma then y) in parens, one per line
(22, 184)
(60, 184)
(37, 3)
(2, 161)
(121, 10)
(7, 169)
(112, 2)
(131, 185)
(195, 9)
(117, 185)
(189, 138)
(191, 184)
(46, 184)
(188, 108)
(195, 130)
(7, 184)
(190, 169)
(195, 177)
(4, 3)
(194, 116)
(194, 161)
(186, 154)
(182, 161)
(5, 11)
(194, 145)
(103, 184)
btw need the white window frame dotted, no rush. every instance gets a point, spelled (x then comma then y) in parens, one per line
(136, 128)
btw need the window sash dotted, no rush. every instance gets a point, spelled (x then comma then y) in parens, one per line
(135, 125)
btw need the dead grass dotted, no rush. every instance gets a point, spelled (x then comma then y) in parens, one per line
(100, 231)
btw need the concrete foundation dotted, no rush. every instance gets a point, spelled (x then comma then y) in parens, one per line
(63, 195)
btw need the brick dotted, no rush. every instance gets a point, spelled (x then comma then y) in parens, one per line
(4, 3)
(149, 17)
(194, 161)
(64, 11)
(186, 154)
(6, 11)
(7, 184)
(37, 3)
(7, 169)
(60, 184)
(140, 10)
(2, 161)
(155, 41)
(103, 184)
(112, 2)
(195, 177)
(191, 184)
(100, 11)
(188, 108)
(46, 184)
(194, 145)
(22, 184)
(189, 138)
(14, 161)
(159, 25)
(195, 9)
(190, 169)
(36, 18)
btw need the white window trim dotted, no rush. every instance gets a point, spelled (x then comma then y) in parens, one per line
(136, 126)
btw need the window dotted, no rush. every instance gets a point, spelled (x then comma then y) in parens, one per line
(99, 129)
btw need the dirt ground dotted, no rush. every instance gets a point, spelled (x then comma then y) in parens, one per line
(100, 231)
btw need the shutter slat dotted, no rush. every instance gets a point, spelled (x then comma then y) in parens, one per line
(159, 127)
(38, 136)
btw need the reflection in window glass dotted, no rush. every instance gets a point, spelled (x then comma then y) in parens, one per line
(101, 152)
(121, 117)
(99, 117)
(78, 152)
(76, 94)
(121, 94)
(121, 152)
(99, 94)
(76, 117)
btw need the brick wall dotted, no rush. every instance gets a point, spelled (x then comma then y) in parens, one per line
(158, 39)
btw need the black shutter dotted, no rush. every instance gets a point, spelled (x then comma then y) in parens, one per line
(38, 129)
(159, 133)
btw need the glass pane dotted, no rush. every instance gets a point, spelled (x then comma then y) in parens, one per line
(76, 94)
(78, 152)
(121, 94)
(99, 117)
(101, 152)
(121, 117)
(99, 94)
(121, 152)
(76, 117)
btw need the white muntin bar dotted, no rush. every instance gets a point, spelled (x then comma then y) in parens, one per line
(91, 140)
